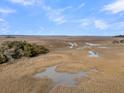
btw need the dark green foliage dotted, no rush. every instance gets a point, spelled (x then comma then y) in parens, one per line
(17, 49)
(3, 58)
(119, 36)
(18, 53)
(10, 36)
(31, 50)
(122, 41)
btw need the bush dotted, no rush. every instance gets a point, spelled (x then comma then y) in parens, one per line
(17, 49)
(122, 41)
(18, 53)
(3, 58)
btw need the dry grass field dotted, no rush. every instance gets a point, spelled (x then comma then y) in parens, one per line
(105, 73)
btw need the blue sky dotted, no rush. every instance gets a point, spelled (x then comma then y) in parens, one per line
(62, 17)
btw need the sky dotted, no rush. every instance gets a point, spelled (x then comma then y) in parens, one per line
(62, 17)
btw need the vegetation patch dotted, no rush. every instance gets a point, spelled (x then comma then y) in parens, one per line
(119, 36)
(10, 50)
(118, 41)
(10, 36)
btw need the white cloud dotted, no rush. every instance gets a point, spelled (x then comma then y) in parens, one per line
(26, 2)
(59, 20)
(100, 24)
(93, 23)
(4, 26)
(6, 11)
(115, 7)
(85, 22)
(56, 15)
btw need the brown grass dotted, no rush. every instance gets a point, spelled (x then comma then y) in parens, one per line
(25, 85)
(72, 67)
(108, 76)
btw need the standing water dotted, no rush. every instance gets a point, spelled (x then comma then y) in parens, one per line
(60, 78)
(92, 54)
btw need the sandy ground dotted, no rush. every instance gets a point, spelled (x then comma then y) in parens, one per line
(105, 74)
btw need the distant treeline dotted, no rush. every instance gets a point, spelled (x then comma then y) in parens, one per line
(119, 36)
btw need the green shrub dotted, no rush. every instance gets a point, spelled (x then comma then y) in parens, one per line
(31, 50)
(3, 58)
(18, 53)
(17, 49)
(122, 41)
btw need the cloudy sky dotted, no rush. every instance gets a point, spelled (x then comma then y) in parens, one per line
(62, 17)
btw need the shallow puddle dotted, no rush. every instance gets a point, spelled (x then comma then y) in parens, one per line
(92, 54)
(60, 77)
(72, 45)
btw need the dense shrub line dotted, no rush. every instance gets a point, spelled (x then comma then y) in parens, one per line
(10, 50)
(119, 36)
